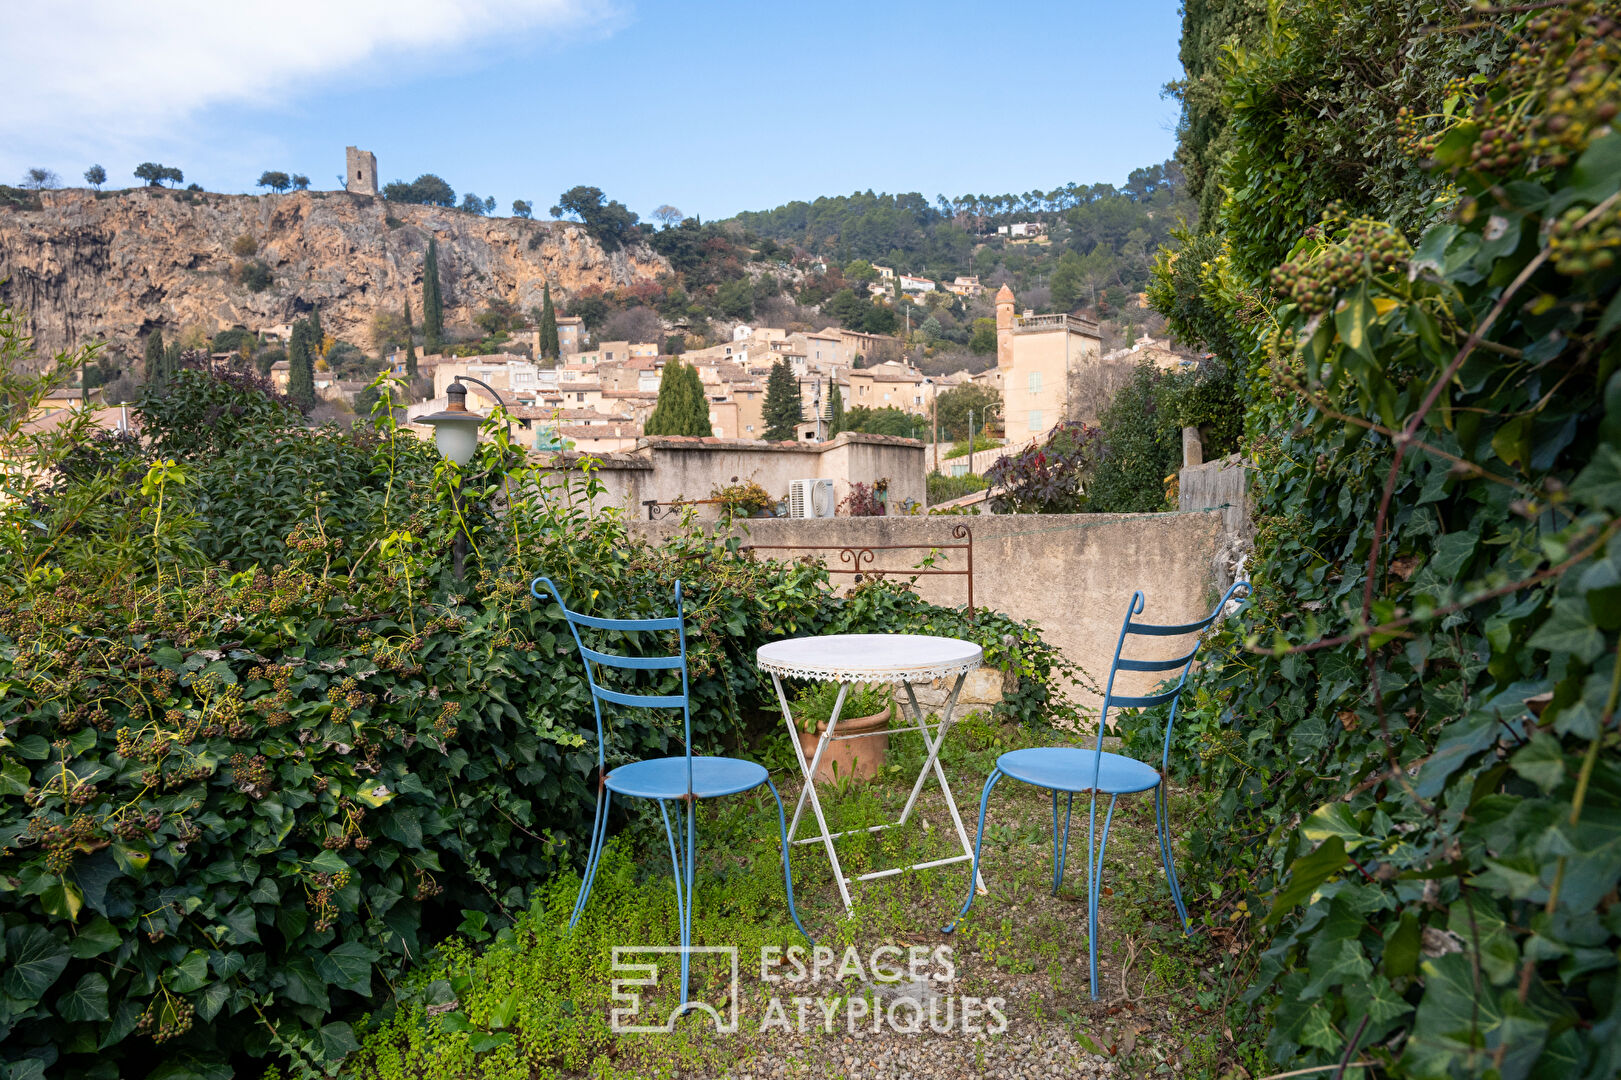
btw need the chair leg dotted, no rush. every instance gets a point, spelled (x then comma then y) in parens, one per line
(1162, 816)
(683, 892)
(686, 925)
(973, 874)
(787, 869)
(599, 832)
(1060, 854)
(1094, 886)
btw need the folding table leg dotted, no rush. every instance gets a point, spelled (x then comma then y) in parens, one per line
(933, 760)
(809, 790)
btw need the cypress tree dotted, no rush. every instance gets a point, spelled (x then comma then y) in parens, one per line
(682, 408)
(433, 305)
(835, 412)
(410, 344)
(782, 411)
(549, 346)
(301, 364)
(156, 375)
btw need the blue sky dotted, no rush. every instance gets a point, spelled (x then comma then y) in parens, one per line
(715, 107)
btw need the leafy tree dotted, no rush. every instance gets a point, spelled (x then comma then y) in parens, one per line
(302, 349)
(472, 204)
(860, 271)
(668, 215)
(1142, 445)
(930, 329)
(275, 181)
(433, 304)
(95, 176)
(735, 299)
(610, 223)
(591, 309)
(1047, 479)
(983, 340)
(1068, 282)
(175, 176)
(157, 373)
(40, 180)
(887, 420)
(151, 172)
(953, 408)
(550, 347)
(835, 411)
(254, 275)
(301, 182)
(425, 190)
(683, 407)
(782, 409)
(521, 208)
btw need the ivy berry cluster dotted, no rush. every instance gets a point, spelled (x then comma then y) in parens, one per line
(1367, 247)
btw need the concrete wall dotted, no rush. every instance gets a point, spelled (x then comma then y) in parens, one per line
(1221, 484)
(1071, 574)
(668, 469)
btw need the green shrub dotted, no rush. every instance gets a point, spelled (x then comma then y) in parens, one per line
(236, 801)
(943, 488)
(1410, 740)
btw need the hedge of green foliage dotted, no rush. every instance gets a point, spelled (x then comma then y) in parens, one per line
(260, 747)
(1417, 779)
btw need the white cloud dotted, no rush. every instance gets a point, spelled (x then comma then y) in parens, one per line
(100, 72)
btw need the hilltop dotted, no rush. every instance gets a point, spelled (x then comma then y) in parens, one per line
(88, 265)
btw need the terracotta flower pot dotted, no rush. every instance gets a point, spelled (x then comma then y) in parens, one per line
(854, 758)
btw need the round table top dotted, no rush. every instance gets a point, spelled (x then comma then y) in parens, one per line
(893, 658)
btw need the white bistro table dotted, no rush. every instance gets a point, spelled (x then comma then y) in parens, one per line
(846, 659)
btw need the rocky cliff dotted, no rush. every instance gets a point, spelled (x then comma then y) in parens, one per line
(114, 266)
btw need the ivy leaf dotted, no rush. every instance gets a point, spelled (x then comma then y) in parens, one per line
(14, 778)
(86, 1001)
(34, 960)
(95, 939)
(348, 966)
(337, 1041)
(189, 974)
(1335, 819)
(1570, 629)
(1541, 761)
(1353, 320)
(1335, 963)
(1599, 484)
(1308, 872)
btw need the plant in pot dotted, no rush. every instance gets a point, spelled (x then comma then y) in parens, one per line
(866, 712)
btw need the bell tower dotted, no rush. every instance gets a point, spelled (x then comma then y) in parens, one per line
(1004, 327)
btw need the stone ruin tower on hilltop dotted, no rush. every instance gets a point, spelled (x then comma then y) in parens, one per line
(360, 175)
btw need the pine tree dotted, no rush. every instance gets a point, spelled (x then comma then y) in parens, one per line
(683, 408)
(549, 345)
(301, 364)
(782, 411)
(157, 374)
(410, 344)
(835, 412)
(433, 305)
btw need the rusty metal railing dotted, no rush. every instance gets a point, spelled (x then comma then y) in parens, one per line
(858, 558)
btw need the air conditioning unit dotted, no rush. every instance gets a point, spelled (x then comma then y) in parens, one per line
(810, 498)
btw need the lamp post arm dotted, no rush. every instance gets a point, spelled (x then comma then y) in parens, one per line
(499, 400)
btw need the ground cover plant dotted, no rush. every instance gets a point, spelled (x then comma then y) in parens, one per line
(261, 748)
(1417, 794)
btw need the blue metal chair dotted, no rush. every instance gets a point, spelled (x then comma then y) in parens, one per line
(669, 779)
(1072, 769)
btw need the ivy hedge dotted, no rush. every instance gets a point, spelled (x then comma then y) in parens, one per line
(1409, 738)
(259, 747)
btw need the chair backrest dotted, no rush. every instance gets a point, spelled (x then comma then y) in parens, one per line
(1132, 628)
(600, 659)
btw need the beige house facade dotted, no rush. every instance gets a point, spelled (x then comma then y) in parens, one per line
(1038, 358)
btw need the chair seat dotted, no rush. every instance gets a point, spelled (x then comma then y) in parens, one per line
(1069, 768)
(666, 778)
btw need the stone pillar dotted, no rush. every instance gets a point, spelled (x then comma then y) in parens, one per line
(1192, 447)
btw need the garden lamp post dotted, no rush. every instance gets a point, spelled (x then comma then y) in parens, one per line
(455, 433)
